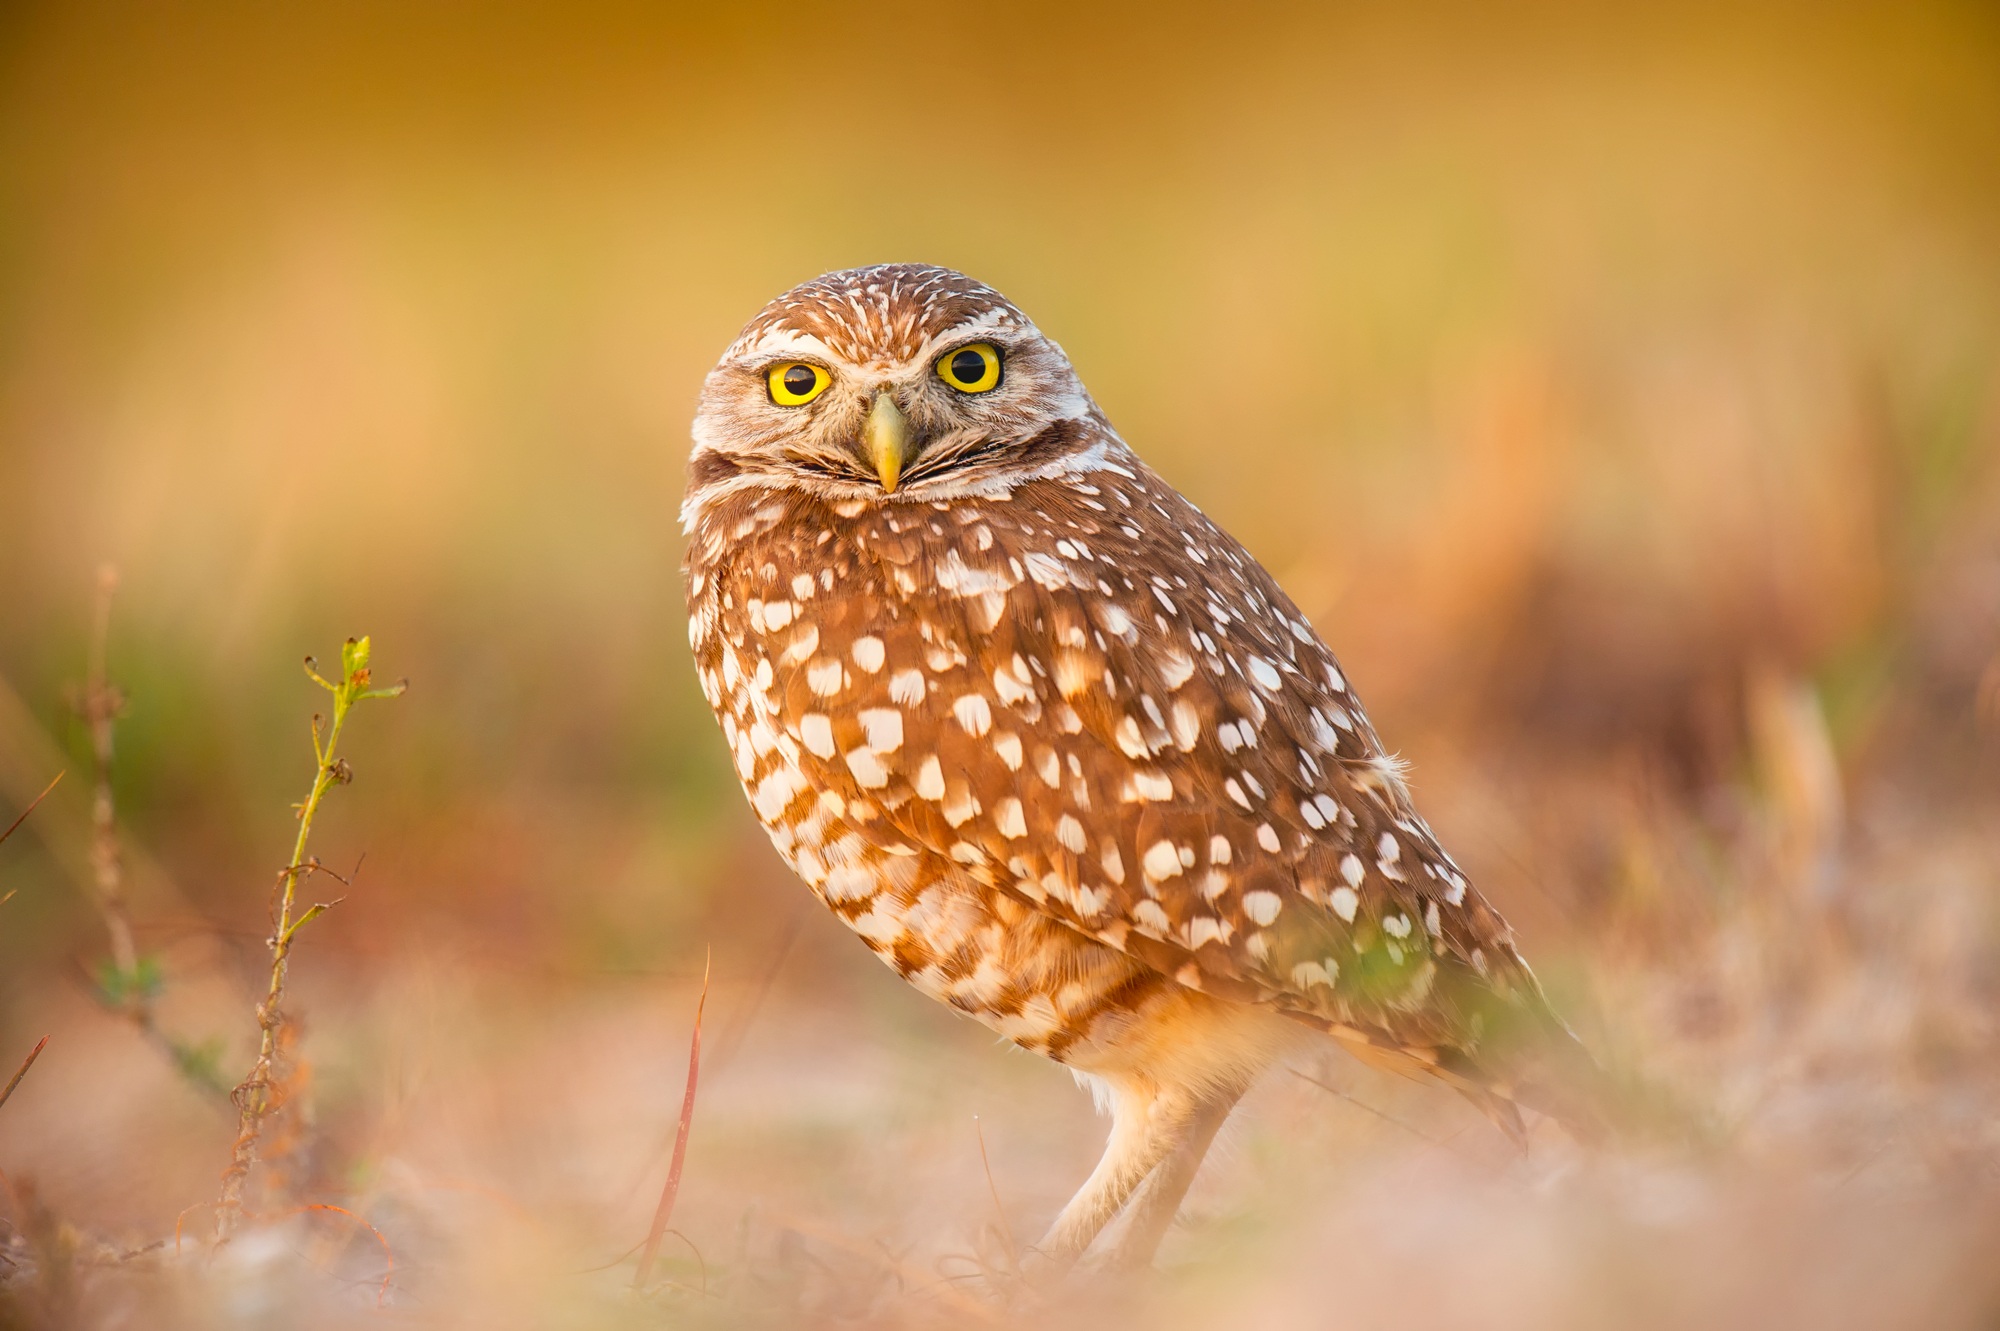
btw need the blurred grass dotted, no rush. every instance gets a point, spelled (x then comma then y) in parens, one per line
(1616, 391)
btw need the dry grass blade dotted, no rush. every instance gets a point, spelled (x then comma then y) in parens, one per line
(1393, 1121)
(22, 1071)
(15, 825)
(1006, 1230)
(665, 1211)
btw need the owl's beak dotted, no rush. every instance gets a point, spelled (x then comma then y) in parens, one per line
(886, 436)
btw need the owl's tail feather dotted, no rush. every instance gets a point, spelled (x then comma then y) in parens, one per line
(1550, 1072)
(1554, 1075)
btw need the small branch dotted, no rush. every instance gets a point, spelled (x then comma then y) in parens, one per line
(664, 1212)
(22, 1071)
(16, 824)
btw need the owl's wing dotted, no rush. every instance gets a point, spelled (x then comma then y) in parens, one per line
(1107, 707)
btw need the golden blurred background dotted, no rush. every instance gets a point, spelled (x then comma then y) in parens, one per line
(1615, 388)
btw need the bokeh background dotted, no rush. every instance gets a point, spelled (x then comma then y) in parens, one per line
(1614, 387)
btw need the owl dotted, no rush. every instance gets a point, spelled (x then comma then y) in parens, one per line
(1059, 750)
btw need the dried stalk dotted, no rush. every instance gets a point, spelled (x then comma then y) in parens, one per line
(665, 1211)
(253, 1096)
(26, 1063)
(15, 826)
(100, 705)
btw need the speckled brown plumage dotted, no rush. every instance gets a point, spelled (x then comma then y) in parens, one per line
(1057, 748)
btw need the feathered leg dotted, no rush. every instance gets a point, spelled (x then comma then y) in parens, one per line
(1146, 1126)
(1159, 1199)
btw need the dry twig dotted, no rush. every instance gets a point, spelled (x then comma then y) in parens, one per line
(35, 804)
(664, 1212)
(22, 1071)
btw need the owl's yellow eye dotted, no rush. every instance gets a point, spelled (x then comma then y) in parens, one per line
(973, 369)
(796, 383)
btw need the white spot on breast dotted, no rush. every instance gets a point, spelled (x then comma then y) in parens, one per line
(1008, 746)
(1009, 819)
(882, 728)
(1431, 921)
(1396, 926)
(777, 614)
(869, 653)
(1048, 768)
(775, 792)
(1327, 807)
(906, 687)
(1130, 742)
(930, 779)
(1344, 903)
(1388, 849)
(1113, 862)
(1218, 850)
(974, 713)
(1151, 786)
(1334, 678)
(849, 882)
(1234, 791)
(1151, 920)
(1350, 869)
(1262, 907)
(802, 586)
(1186, 725)
(1267, 837)
(1310, 812)
(1115, 621)
(817, 733)
(1264, 673)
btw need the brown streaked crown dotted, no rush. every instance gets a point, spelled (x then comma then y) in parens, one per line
(883, 314)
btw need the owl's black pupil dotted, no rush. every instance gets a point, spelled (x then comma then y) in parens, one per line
(968, 367)
(799, 380)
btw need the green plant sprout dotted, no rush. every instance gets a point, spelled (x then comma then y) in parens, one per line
(254, 1095)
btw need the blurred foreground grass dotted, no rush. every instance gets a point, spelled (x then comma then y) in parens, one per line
(1617, 394)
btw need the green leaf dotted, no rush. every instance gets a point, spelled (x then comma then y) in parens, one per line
(354, 656)
(119, 988)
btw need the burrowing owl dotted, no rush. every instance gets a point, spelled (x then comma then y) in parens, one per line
(1056, 747)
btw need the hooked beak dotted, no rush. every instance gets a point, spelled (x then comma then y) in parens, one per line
(886, 438)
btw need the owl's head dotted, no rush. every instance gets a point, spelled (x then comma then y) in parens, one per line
(892, 383)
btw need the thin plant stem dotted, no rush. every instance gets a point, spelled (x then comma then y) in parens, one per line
(22, 1071)
(15, 826)
(101, 705)
(665, 1211)
(253, 1096)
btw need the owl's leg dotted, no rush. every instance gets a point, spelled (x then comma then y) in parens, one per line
(1146, 1126)
(1159, 1200)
